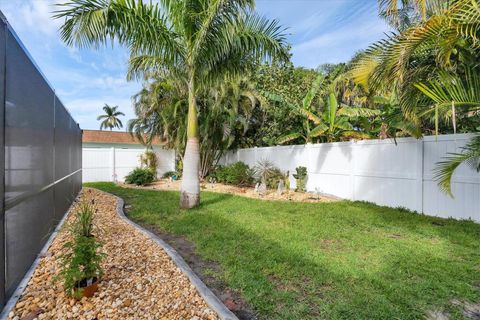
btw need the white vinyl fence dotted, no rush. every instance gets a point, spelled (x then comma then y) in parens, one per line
(113, 164)
(380, 171)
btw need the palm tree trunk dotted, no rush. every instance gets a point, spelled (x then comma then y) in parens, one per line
(190, 190)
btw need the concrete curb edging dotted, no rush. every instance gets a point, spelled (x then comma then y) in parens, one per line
(211, 299)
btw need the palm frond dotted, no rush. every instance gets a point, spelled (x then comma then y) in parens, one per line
(143, 27)
(445, 169)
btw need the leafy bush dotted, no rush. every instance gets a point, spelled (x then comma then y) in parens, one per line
(140, 176)
(266, 172)
(169, 174)
(238, 174)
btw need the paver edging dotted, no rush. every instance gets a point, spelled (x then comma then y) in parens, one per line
(210, 299)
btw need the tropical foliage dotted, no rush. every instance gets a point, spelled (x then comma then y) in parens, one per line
(209, 85)
(199, 42)
(224, 114)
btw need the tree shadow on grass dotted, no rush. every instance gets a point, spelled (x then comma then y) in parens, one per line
(214, 198)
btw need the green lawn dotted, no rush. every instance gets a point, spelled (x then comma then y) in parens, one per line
(342, 260)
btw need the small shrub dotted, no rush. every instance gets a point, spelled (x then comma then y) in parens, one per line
(171, 174)
(238, 174)
(80, 261)
(301, 178)
(140, 176)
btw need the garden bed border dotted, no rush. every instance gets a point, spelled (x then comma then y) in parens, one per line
(210, 298)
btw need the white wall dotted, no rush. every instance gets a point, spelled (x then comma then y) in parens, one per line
(113, 164)
(380, 171)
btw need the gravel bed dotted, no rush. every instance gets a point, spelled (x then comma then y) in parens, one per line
(140, 281)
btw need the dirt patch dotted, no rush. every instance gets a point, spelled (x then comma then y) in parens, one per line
(330, 244)
(165, 184)
(469, 310)
(208, 271)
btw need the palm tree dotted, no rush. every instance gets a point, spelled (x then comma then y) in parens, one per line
(201, 42)
(160, 111)
(407, 13)
(110, 118)
(445, 40)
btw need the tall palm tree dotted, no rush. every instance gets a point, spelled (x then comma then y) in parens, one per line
(202, 42)
(110, 118)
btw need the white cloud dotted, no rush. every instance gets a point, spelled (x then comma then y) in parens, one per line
(34, 16)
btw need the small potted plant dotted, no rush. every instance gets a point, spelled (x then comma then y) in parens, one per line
(80, 261)
(301, 179)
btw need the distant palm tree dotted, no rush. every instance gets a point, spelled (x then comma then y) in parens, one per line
(110, 118)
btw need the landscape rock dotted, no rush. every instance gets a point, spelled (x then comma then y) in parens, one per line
(140, 280)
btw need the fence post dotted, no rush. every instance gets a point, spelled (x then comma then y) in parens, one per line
(353, 171)
(308, 146)
(112, 163)
(419, 146)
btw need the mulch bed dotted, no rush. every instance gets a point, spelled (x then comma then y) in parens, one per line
(165, 184)
(140, 281)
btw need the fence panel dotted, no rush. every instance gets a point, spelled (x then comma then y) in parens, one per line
(113, 164)
(40, 142)
(465, 182)
(381, 171)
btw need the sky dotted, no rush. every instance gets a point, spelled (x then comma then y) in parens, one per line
(319, 31)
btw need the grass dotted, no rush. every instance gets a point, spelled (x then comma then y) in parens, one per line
(342, 260)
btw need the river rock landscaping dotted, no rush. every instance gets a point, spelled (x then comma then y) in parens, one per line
(140, 280)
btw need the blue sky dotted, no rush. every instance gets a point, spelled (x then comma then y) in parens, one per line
(320, 31)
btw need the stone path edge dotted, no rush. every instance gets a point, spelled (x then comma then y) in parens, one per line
(211, 299)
